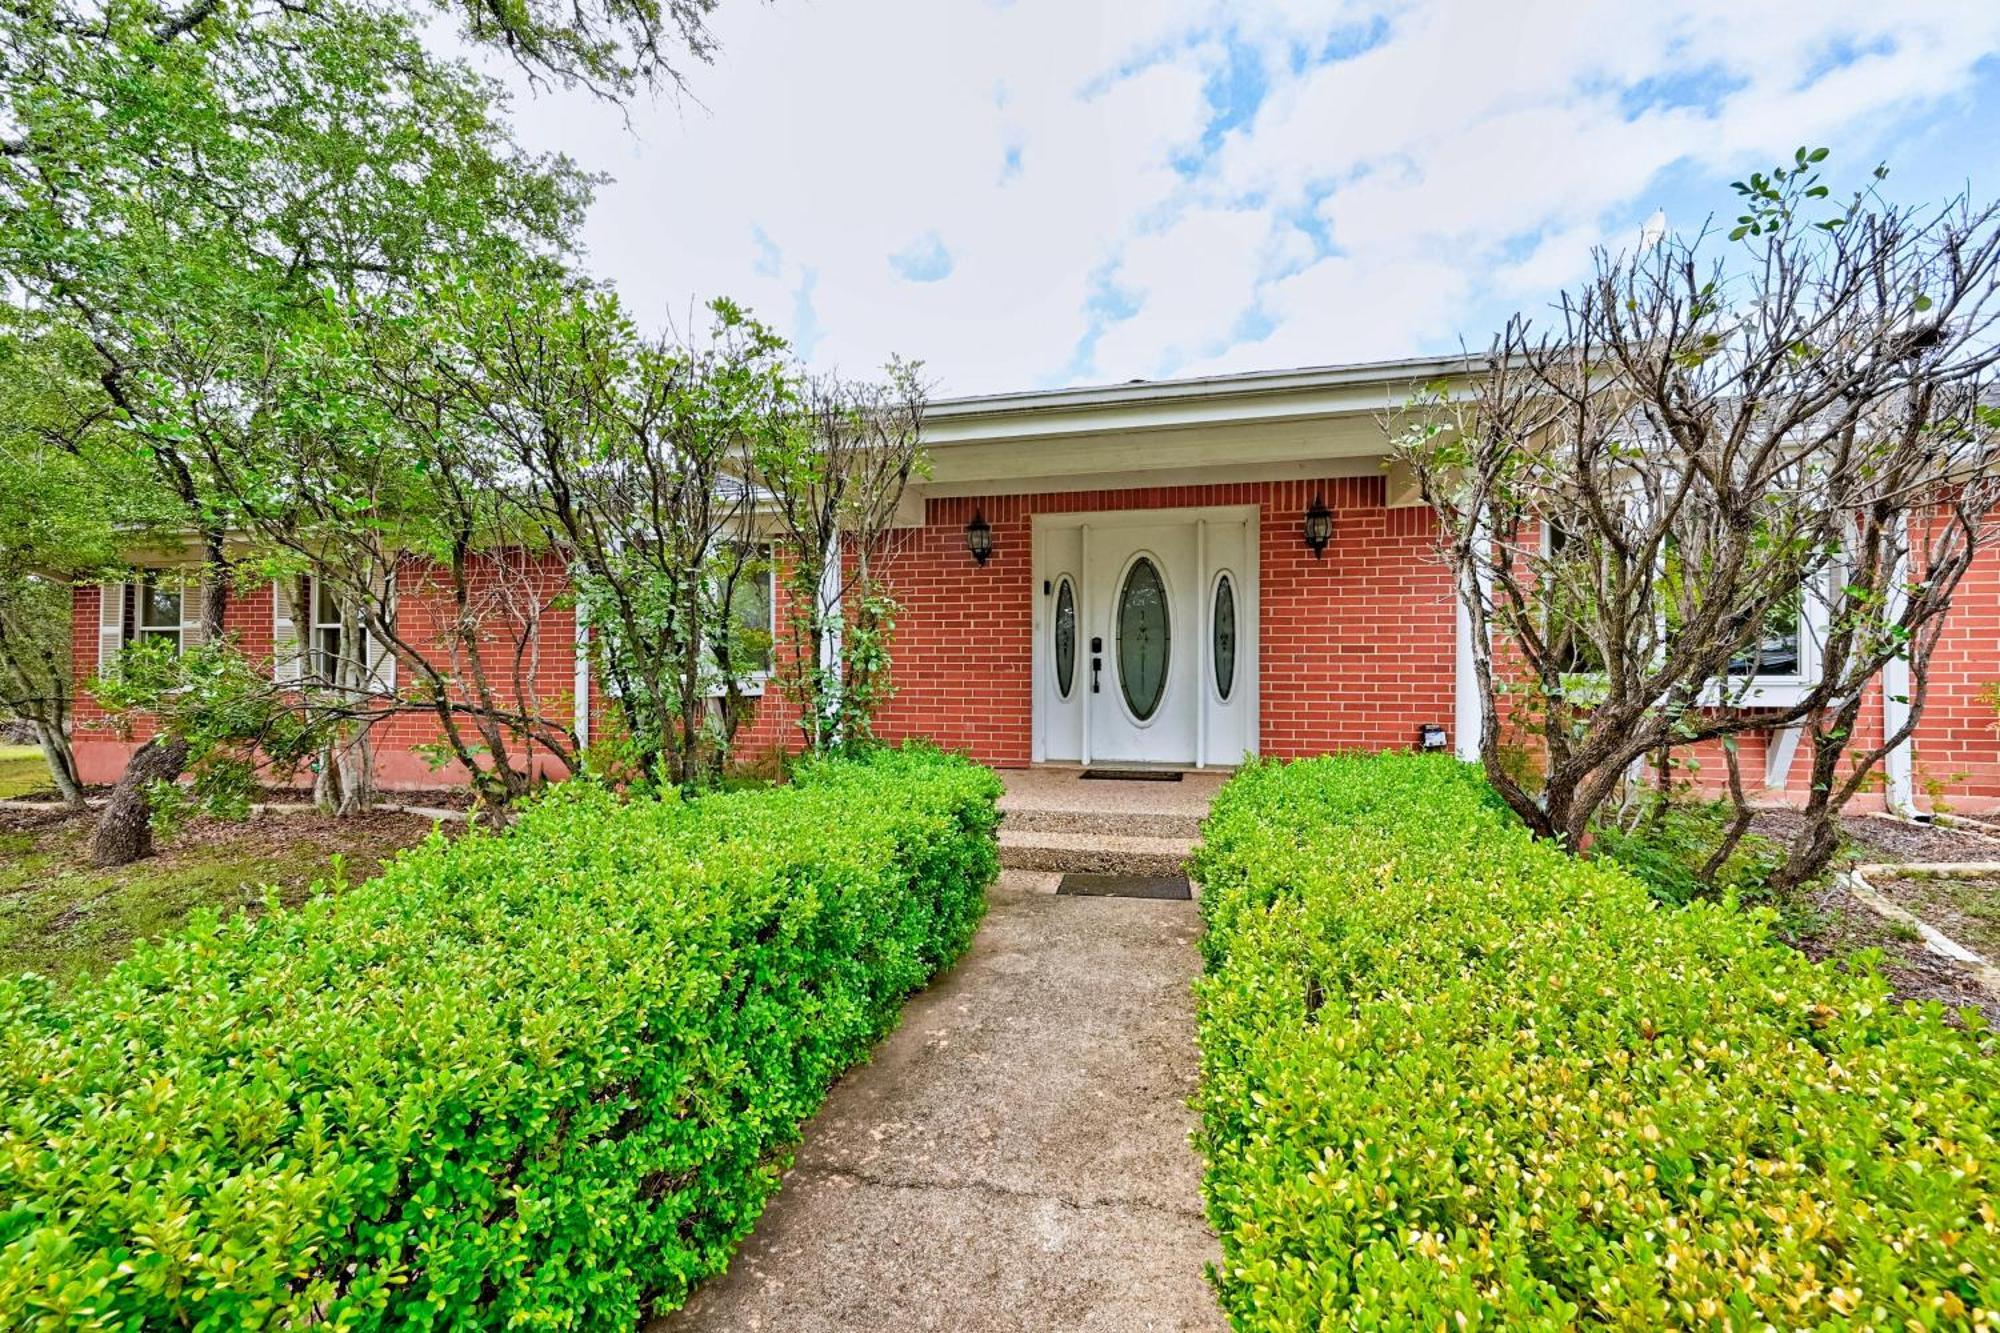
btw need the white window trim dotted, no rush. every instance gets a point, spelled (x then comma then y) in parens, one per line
(752, 684)
(121, 614)
(1783, 691)
(1764, 690)
(298, 665)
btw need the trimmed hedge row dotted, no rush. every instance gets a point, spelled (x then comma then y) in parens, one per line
(1452, 1078)
(543, 1079)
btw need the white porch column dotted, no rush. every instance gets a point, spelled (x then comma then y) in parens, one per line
(1466, 719)
(1897, 765)
(580, 719)
(830, 582)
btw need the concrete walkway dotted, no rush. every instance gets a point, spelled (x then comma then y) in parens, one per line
(1015, 1157)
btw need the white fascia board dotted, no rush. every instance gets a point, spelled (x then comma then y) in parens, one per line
(1329, 391)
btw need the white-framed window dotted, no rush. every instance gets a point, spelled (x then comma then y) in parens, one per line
(753, 607)
(153, 605)
(160, 599)
(332, 644)
(1783, 665)
(1777, 670)
(314, 647)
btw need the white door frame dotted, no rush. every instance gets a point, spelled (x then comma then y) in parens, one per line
(1248, 590)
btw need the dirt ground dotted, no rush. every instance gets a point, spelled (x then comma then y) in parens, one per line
(1967, 908)
(1843, 926)
(66, 919)
(1873, 838)
(1834, 924)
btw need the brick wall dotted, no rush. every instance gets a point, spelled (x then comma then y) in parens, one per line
(1956, 752)
(534, 673)
(1356, 649)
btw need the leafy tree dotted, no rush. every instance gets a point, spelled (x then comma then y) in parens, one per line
(636, 458)
(61, 521)
(199, 194)
(224, 723)
(1709, 464)
(379, 495)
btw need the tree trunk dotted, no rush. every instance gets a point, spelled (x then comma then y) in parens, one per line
(124, 832)
(326, 791)
(355, 761)
(62, 764)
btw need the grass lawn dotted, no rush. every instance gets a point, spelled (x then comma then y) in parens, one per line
(23, 771)
(65, 919)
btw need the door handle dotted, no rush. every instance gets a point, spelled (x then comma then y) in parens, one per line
(1096, 665)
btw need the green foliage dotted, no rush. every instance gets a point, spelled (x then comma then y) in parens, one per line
(1667, 846)
(237, 721)
(60, 520)
(542, 1078)
(1453, 1078)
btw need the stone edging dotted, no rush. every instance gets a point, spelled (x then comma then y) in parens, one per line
(1934, 940)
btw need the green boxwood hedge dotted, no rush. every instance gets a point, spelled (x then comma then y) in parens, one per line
(1455, 1079)
(545, 1079)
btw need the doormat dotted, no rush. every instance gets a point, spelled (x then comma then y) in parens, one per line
(1125, 886)
(1133, 774)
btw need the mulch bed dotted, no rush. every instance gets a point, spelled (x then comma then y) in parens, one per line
(1838, 924)
(1871, 838)
(61, 916)
(1846, 925)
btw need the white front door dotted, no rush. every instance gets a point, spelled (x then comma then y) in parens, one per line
(1145, 637)
(1139, 588)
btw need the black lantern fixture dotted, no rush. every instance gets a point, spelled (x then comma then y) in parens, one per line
(1319, 527)
(979, 538)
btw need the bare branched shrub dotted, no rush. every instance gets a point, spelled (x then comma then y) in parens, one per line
(835, 483)
(1723, 494)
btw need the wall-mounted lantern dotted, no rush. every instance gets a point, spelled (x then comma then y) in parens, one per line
(1319, 527)
(979, 537)
(1431, 736)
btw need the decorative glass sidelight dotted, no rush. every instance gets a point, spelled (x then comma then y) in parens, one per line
(1143, 638)
(1065, 635)
(1222, 630)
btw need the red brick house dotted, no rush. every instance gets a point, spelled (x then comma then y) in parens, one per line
(1180, 573)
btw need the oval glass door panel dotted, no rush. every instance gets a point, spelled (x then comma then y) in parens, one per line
(1065, 637)
(1224, 629)
(1143, 633)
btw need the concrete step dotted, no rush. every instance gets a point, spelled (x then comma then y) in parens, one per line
(1108, 823)
(1040, 849)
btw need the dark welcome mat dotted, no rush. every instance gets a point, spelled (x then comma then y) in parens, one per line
(1133, 774)
(1125, 886)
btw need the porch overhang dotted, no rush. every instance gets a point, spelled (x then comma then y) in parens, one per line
(1261, 426)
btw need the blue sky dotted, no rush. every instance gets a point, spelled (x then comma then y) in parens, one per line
(1045, 192)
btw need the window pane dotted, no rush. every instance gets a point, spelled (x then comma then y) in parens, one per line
(1143, 633)
(1224, 633)
(324, 610)
(328, 642)
(1776, 653)
(160, 606)
(751, 610)
(1065, 637)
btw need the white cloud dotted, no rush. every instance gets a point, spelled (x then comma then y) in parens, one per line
(1031, 192)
